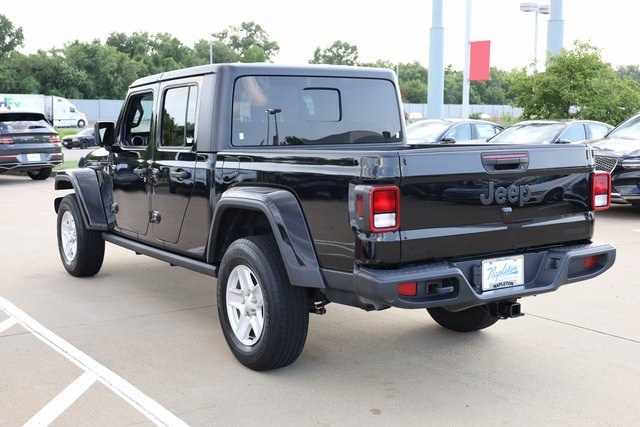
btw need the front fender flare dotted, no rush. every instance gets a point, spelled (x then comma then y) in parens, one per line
(86, 184)
(289, 226)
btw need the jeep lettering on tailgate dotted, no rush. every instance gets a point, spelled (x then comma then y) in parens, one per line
(513, 194)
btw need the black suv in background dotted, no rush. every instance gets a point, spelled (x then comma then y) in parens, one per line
(28, 143)
(618, 152)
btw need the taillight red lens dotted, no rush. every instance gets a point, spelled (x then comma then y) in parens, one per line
(385, 208)
(6, 140)
(601, 190)
(384, 201)
(55, 139)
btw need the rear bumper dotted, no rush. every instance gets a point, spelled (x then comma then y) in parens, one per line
(21, 162)
(456, 284)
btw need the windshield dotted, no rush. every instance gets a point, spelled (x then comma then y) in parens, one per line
(532, 133)
(427, 131)
(628, 130)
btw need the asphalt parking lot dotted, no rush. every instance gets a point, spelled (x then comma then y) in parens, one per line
(139, 344)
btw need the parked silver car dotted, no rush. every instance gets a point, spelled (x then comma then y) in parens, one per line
(449, 131)
(552, 131)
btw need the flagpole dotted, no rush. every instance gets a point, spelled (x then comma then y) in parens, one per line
(467, 59)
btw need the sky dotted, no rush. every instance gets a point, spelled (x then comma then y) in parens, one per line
(398, 34)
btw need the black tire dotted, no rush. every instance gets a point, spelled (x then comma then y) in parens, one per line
(81, 250)
(83, 144)
(81, 124)
(275, 313)
(39, 174)
(468, 320)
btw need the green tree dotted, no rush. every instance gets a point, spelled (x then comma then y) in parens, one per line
(491, 92)
(10, 37)
(339, 53)
(631, 71)
(218, 51)
(154, 53)
(453, 86)
(576, 84)
(43, 72)
(109, 71)
(413, 79)
(249, 42)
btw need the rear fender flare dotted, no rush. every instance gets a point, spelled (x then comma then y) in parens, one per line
(86, 185)
(287, 221)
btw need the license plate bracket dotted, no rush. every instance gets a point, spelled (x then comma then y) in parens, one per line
(505, 272)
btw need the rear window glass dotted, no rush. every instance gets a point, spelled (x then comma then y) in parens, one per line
(18, 124)
(279, 110)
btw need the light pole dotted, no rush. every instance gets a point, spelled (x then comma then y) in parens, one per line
(537, 9)
(210, 48)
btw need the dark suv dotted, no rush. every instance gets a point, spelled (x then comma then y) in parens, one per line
(28, 143)
(619, 153)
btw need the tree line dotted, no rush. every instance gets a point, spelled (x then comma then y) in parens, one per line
(575, 84)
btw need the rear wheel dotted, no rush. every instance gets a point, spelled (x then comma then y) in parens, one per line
(263, 317)
(39, 174)
(470, 319)
(81, 123)
(81, 250)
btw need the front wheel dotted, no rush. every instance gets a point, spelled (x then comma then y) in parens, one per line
(81, 250)
(39, 174)
(470, 319)
(263, 317)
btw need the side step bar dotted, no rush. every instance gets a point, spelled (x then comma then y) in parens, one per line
(162, 255)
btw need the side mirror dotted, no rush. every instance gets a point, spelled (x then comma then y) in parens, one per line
(104, 133)
(448, 140)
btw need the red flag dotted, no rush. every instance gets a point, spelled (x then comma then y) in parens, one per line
(479, 60)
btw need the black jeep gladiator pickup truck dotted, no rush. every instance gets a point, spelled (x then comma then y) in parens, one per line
(295, 187)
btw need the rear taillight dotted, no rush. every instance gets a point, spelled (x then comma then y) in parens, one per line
(55, 139)
(377, 208)
(6, 140)
(600, 190)
(385, 209)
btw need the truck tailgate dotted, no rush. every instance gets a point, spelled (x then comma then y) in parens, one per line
(482, 199)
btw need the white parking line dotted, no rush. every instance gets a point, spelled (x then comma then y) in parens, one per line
(57, 406)
(140, 401)
(7, 324)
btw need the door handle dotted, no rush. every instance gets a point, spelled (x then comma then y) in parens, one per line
(180, 174)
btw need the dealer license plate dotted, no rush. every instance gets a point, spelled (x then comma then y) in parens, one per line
(33, 157)
(500, 273)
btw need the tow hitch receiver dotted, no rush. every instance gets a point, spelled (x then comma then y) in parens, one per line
(505, 309)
